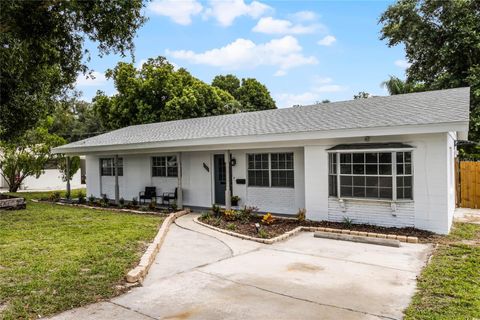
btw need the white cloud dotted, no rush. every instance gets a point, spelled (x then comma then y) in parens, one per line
(270, 25)
(180, 12)
(95, 79)
(226, 11)
(402, 64)
(304, 16)
(320, 86)
(284, 53)
(327, 40)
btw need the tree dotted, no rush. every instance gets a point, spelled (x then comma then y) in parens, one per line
(361, 95)
(229, 83)
(41, 51)
(395, 85)
(74, 165)
(253, 96)
(441, 40)
(157, 92)
(26, 156)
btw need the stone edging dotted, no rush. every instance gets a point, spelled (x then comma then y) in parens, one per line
(298, 229)
(138, 273)
(99, 208)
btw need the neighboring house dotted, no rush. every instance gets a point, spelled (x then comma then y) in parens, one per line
(51, 179)
(387, 161)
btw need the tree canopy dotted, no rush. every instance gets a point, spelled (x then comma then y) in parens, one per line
(157, 92)
(41, 51)
(250, 93)
(442, 43)
(396, 85)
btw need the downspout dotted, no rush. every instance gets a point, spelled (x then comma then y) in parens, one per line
(117, 188)
(67, 174)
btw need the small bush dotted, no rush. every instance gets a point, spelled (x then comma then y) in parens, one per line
(268, 219)
(174, 206)
(121, 201)
(91, 199)
(262, 233)
(216, 221)
(246, 213)
(205, 215)
(144, 208)
(348, 222)
(216, 210)
(230, 215)
(301, 214)
(134, 201)
(54, 196)
(81, 196)
(152, 205)
(231, 226)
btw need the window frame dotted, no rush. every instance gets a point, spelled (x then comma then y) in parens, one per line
(269, 169)
(112, 167)
(165, 157)
(393, 174)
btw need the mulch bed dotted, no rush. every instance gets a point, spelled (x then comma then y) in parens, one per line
(281, 225)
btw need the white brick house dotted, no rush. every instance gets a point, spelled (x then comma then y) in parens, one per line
(383, 160)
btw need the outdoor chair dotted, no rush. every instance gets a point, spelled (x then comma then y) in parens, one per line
(150, 193)
(168, 196)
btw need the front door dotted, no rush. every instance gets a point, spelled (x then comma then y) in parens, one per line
(220, 178)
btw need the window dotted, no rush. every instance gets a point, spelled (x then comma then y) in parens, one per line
(258, 173)
(373, 175)
(165, 166)
(271, 170)
(108, 168)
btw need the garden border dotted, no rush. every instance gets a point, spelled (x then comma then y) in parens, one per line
(292, 232)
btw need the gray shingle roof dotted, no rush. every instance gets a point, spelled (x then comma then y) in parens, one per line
(431, 107)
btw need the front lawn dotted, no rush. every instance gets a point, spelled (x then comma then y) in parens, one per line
(449, 287)
(53, 258)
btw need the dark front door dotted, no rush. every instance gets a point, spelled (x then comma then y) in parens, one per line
(220, 178)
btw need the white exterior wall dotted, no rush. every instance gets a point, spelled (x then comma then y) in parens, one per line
(197, 182)
(51, 179)
(433, 190)
(433, 183)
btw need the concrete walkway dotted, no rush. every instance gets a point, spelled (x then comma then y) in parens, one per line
(467, 215)
(203, 274)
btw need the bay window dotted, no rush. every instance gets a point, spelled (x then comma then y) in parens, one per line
(384, 175)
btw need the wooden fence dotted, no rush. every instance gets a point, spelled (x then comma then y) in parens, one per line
(468, 184)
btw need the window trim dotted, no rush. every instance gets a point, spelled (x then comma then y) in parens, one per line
(393, 151)
(270, 169)
(166, 165)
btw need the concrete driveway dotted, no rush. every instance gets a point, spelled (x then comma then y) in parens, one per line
(203, 274)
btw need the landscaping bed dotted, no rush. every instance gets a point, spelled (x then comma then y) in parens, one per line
(54, 258)
(8, 202)
(244, 222)
(78, 198)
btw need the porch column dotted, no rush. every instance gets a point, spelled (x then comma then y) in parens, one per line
(67, 175)
(179, 185)
(228, 195)
(117, 188)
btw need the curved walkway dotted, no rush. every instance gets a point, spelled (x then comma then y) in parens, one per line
(203, 274)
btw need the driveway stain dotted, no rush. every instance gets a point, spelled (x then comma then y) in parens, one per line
(181, 316)
(303, 267)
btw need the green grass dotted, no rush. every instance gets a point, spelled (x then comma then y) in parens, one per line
(449, 287)
(53, 258)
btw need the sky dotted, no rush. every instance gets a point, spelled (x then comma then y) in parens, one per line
(303, 51)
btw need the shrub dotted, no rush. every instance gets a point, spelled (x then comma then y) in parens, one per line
(54, 196)
(205, 215)
(216, 221)
(230, 215)
(91, 199)
(152, 205)
(216, 210)
(231, 226)
(348, 222)
(121, 201)
(246, 213)
(262, 233)
(301, 214)
(81, 196)
(174, 206)
(268, 218)
(143, 208)
(134, 201)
